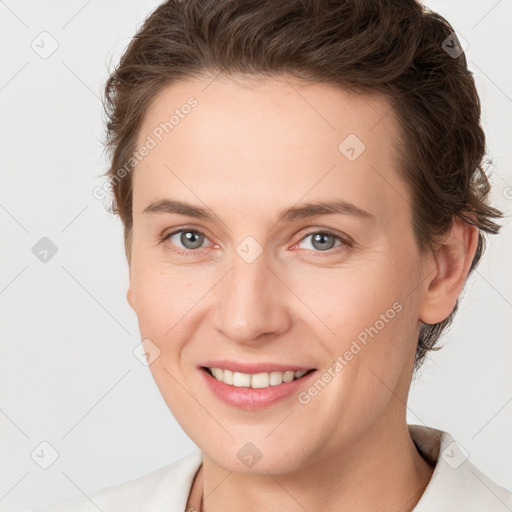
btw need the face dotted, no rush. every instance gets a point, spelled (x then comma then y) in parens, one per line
(229, 268)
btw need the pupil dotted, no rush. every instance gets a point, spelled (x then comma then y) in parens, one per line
(320, 238)
(191, 239)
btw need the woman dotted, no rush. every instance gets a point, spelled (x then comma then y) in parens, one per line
(244, 137)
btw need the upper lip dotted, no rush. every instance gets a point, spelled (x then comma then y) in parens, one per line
(246, 367)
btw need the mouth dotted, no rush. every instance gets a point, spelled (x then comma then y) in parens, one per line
(260, 380)
(255, 391)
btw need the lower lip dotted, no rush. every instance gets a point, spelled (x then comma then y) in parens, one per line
(254, 398)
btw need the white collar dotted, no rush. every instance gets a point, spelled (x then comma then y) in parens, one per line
(456, 484)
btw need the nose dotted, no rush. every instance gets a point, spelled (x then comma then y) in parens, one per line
(251, 302)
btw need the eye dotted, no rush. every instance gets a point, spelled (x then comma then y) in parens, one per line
(324, 241)
(189, 239)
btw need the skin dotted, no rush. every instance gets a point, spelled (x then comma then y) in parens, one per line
(249, 150)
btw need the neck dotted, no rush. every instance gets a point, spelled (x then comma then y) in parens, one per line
(381, 470)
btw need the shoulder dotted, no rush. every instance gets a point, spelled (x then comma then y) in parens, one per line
(166, 489)
(467, 488)
(456, 483)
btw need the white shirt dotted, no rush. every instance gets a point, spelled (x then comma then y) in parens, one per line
(456, 485)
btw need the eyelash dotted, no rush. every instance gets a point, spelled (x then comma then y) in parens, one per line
(345, 241)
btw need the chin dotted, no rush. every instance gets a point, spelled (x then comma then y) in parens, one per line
(275, 464)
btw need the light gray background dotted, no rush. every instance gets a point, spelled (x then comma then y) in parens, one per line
(67, 372)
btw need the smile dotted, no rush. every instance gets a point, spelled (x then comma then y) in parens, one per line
(255, 380)
(253, 391)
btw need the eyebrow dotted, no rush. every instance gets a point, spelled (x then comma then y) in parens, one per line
(311, 209)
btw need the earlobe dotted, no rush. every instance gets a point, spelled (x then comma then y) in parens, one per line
(129, 293)
(452, 261)
(129, 297)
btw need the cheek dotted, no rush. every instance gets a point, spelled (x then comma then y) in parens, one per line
(169, 302)
(367, 316)
(347, 301)
(156, 297)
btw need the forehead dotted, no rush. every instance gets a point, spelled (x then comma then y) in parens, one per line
(262, 107)
(269, 140)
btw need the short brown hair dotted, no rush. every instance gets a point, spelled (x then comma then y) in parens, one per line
(397, 48)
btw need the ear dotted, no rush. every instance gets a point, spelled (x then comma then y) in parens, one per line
(452, 262)
(129, 296)
(129, 293)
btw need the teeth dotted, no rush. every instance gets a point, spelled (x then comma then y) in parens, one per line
(241, 380)
(255, 380)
